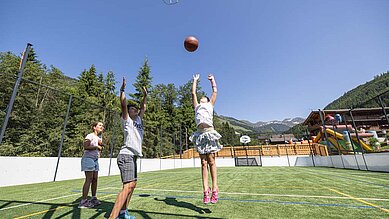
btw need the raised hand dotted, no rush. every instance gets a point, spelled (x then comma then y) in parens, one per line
(210, 77)
(123, 84)
(196, 77)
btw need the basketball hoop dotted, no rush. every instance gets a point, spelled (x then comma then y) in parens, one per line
(245, 139)
(170, 2)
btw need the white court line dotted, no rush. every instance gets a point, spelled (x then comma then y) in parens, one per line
(259, 194)
(220, 172)
(37, 202)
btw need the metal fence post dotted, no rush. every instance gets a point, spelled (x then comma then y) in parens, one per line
(351, 141)
(112, 144)
(180, 143)
(359, 141)
(160, 152)
(287, 154)
(63, 136)
(337, 142)
(310, 146)
(383, 109)
(326, 136)
(15, 90)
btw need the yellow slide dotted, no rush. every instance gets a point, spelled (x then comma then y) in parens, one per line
(364, 145)
(340, 136)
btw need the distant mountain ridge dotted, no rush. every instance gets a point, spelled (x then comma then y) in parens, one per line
(274, 126)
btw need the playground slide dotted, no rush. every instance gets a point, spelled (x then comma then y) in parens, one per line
(317, 138)
(364, 145)
(342, 144)
(339, 136)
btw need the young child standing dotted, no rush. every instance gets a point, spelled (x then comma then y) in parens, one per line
(206, 139)
(90, 165)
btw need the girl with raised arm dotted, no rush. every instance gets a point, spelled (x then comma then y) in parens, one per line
(206, 139)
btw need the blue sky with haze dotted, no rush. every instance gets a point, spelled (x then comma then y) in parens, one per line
(271, 59)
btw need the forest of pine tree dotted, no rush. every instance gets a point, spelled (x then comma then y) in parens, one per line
(365, 95)
(36, 124)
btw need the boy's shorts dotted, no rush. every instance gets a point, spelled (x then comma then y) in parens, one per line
(89, 164)
(128, 167)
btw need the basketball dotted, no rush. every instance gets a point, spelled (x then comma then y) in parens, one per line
(191, 43)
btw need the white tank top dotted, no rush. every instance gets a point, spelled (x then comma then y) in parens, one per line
(204, 114)
(133, 136)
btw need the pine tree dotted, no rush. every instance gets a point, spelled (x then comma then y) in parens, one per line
(143, 79)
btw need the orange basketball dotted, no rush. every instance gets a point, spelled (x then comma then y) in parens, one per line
(191, 43)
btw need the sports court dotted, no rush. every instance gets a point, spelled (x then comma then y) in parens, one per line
(300, 128)
(245, 192)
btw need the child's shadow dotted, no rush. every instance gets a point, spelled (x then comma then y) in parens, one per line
(173, 201)
(75, 213)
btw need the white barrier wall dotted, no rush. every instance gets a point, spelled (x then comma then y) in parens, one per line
(372, 162)
(26, 170)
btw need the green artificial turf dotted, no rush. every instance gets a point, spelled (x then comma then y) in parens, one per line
(245, 192)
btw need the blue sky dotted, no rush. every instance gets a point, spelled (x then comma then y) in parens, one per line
(272, 59)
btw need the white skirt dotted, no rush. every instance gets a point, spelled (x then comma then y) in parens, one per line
(206, 141)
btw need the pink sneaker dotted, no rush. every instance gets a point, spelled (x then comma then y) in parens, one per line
(215, 196)
(207, 199)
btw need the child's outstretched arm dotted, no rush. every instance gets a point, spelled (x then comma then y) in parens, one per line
(123, 102)
(211, 78)
(194, 87)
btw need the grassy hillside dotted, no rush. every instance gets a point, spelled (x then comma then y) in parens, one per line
(238, 126)
(363, 95)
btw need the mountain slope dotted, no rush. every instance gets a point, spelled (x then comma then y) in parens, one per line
(362, 95)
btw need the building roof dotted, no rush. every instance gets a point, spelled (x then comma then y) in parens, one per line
(281, 138)
(362, 117)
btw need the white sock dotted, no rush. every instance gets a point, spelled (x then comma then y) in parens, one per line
(122, 211)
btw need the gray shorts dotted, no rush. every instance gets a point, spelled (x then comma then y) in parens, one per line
(89, 164)
(128, 167)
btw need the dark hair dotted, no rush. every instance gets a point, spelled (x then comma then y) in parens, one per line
(94, 124)
(131, 105)
(206, 97)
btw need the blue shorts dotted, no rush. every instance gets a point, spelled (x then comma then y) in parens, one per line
(89, 164)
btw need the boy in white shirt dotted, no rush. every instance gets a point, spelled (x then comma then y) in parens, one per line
(131, 119)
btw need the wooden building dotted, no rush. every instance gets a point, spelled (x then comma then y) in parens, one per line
(366, 118)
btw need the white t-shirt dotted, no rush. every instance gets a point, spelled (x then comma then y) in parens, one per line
(204, 114)
(94, 141)
(133, 136)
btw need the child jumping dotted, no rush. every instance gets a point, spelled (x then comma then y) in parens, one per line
(206, 139)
